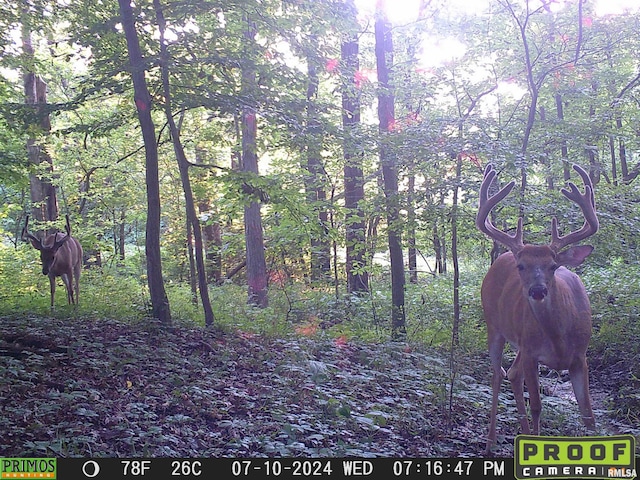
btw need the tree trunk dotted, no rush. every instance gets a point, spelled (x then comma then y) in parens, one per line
(315, 182)
(183, 167)
(592, 151)
(254, 240)
(411, 230)
(564, 149)
(386, 116)
(455, 332)
(159, 301)
(44, 203)
(121, 234)
(533, 84)
(437, 248)
(212, 238)
(193, 275)
(212, 235)
(356, 266)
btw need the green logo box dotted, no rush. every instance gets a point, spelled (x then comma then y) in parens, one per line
(26, 468)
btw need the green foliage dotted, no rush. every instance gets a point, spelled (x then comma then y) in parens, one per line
(102, 292)
(18, 270)
(615, 347)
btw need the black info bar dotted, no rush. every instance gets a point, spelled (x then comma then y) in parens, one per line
(255, 468)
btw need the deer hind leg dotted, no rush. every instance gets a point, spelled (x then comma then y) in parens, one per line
(66, 279)
(579, 374)
(496, 346)
(76, 277)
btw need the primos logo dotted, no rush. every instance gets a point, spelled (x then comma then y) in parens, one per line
(574, 457)
(27, 468)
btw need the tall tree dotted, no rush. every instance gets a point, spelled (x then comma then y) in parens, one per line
(388, 162)
(357, 275)
(44, 203)
(315, 179)
(211, 230)
(183, 167)
(254, 239)
(142, 98)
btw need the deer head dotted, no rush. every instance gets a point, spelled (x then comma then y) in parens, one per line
(532, 301)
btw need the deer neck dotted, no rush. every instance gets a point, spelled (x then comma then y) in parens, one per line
(553, 327)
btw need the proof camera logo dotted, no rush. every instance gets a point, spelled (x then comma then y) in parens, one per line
(574, 457)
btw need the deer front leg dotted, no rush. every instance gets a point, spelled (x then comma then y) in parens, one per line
(530, 368)
(52, 284)
(496, 346)
(579, 374)
(516, 377)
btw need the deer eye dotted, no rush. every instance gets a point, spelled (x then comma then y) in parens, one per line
(520, 267)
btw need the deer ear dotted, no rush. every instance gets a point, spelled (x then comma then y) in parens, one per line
(35, 243)
(574, 256)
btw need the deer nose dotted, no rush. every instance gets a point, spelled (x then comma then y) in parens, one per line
(538, 292)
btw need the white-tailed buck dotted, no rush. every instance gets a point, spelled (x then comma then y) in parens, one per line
(61, 256)
(533, 302)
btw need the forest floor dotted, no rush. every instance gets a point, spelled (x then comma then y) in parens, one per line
(104, 388)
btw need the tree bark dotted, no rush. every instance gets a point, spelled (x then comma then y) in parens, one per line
(159, 301)
(386, 116)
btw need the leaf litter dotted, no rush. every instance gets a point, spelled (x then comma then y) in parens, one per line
(105, 388)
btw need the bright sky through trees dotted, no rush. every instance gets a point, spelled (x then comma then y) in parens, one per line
(404, 11)
(443, 49)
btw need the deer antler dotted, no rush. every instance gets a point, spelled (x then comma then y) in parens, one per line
(587, 203)
(37, 243)
(67, 226)
(487, 203)
(27, 235)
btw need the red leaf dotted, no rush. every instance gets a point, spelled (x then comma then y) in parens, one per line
(341, 341)
(332, 65)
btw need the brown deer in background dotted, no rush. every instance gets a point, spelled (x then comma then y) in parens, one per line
(61, 256)
(533, 302)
